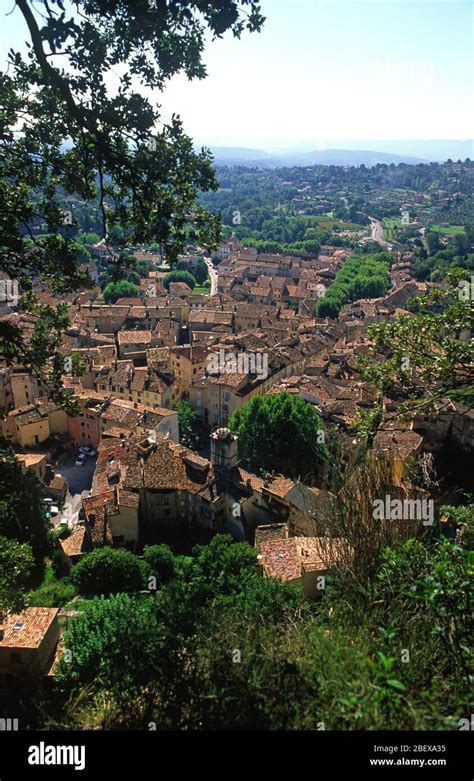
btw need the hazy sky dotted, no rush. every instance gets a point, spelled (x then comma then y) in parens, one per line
(328, 69)
(323, 70)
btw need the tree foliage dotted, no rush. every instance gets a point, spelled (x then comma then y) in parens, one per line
(122, 289)
(279, 433)
(422, 358)
(108, 571)
(22, 514)
(161, 561)
(187, 419)
(16, 565)
(201, 273)
(365, 276)
(221, 647)
(179, 276)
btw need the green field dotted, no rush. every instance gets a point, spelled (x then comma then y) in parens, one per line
(324, 221)
(389, 225)
(201, 291)
(450, 230)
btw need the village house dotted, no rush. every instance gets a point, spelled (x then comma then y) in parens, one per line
(301, 561)
(187, 363)
(24, 387)
(134, 344)
(28, 645)
(84, 428)
(401, 446)
(76, 545)
(180, 290)
(136, 418)
(36, 463)
(145, 385)
(208, 322)
(34, 423)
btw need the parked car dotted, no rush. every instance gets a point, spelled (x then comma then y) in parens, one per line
(88, 450)
(53, 510)
(81, 459)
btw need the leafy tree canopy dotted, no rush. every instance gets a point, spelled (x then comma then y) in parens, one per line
(423, 358)
(108, 571)
(122, 289)
(279, 433)
(16, 565)
(200, 272)
(187, 419)
(179, 276)
(161, 561)
(22, 515)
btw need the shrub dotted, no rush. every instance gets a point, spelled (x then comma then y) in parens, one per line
(161, 561)
(108, 571)
(54, 594)
(60, 563)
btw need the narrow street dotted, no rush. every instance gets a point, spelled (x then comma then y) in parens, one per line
(213, 275)
(376, 228)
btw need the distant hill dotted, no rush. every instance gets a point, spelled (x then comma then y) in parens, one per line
(348, 157)
(236, 155)
(233, 156)
(397, 151)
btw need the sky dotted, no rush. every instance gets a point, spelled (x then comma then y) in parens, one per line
(325, 70)
(322, 70)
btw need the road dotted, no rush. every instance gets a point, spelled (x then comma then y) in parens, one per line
(376, 228)
(79, 480)
(213, 275)
(377, 233)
